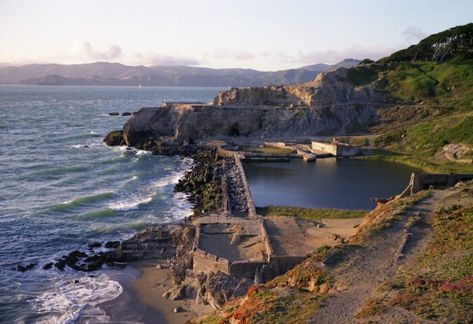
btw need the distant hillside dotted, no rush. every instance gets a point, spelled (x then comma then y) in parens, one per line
(103, 73)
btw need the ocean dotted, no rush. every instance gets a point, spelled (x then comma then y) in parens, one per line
(62, 189)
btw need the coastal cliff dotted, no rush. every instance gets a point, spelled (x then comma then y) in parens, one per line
(332, 104)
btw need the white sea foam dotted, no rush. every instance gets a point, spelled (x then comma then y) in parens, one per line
(64, 304)
(173, 178)
(131, 203)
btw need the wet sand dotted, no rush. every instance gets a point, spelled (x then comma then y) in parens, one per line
(141, 300)
(128, 307)
(151, 285)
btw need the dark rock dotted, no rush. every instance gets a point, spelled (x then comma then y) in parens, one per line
(25, 268)
(94, 245)
(60, 264)
(126, 113)
(114, 113)
(48, 266)
(178, 309)
(114, 138)
(112, 244)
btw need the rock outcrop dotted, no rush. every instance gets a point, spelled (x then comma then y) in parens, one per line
(114, 138)
(331, 104)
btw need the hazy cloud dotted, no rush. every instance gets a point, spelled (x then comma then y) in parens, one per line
(225, 53)
(413, 34)
(162, 59)
(85, 50)
(334, 56)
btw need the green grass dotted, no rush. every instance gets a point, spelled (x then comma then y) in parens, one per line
(310, 213)
(417, 144)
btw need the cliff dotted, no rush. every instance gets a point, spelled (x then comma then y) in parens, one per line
(331, 104)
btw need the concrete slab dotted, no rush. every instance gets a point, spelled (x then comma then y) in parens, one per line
(232, 241)
(290, 236)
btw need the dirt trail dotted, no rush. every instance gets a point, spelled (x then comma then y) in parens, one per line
(368, 267)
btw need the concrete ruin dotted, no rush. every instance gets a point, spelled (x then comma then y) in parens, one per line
(336, 148)
(259, 248)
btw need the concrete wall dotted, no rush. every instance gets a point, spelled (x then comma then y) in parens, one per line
(280, 265)
(246, 268)
(204, 262)
(336, 149)
(347, 150)
(276, 144)
(246, 187)
(325, 147)
(420, 182)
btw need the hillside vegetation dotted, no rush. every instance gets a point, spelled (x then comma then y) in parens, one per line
(434, 80)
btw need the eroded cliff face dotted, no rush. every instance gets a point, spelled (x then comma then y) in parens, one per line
(329, 105)
(329, 88)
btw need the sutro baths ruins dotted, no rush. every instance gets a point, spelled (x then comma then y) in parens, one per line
(218, 253)
(221, 252)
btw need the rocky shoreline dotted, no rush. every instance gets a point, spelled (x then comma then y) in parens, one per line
(212, 178)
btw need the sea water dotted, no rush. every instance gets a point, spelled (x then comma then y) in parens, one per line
(62, 188)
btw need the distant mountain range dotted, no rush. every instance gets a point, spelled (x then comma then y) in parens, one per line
(104, 73)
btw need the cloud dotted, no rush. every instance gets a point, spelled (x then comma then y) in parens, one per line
(84, 50)
(413, 34)
(334, 56)
(163, 59)
(226, 53)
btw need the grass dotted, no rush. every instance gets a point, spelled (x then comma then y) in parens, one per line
(438, 284)
(382, 216)
(310, 213)
(440, 110)
(423, 163)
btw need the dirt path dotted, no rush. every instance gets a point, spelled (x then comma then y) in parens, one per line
(368, 267)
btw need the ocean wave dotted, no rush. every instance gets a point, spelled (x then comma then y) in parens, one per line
(171, 179)
(83, 200)
(107, 212)
(131, 203)
(69, 298)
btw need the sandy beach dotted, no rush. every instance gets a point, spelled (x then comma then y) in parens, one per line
(150, 286)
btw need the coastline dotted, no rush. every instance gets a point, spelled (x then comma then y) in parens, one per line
(153, 283)
(143, 285)
(127, 307)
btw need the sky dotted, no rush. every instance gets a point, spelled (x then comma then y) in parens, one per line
(259, 34)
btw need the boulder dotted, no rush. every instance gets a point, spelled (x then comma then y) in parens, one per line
(25, 268)
(126, 113)
(95, 245)
(114, 138)
(112, 244)
(48, 266)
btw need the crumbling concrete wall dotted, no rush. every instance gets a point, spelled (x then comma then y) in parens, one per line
(325, 147)
(207, 263)
(424, 181)
(246, 187)
(336, 149)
